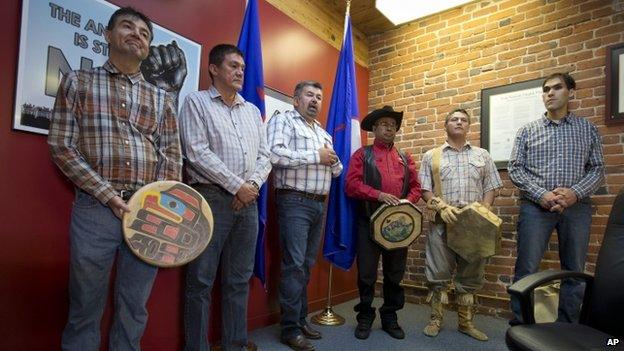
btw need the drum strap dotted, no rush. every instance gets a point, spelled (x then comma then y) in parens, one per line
(436, 158)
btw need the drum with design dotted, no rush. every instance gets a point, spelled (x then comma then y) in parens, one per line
(169, 225)
(396, 226)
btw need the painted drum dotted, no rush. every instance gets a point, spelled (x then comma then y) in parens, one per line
(476, 234)
(396, 226)
(169, 224)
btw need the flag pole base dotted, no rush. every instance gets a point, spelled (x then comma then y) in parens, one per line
(327, 317)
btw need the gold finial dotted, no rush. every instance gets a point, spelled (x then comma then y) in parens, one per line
(348, 6)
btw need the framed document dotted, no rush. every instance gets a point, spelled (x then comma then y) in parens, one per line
(64, 35)
(503, 111)
(614, 104)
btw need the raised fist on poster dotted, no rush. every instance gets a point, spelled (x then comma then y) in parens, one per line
(165, 67)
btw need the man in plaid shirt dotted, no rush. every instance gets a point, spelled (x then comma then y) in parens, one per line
(111, 133)
(556, 162)
(467, 174)
(304, 163)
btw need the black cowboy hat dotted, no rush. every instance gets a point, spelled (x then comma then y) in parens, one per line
(386, 111)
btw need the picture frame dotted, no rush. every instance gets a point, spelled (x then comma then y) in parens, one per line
(504, 109)
(64, 35)
(614, 89)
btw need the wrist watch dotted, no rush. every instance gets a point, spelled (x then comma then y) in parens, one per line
(255, 185)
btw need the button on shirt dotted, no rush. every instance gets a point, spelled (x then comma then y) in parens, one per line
(110, 132)
(466, 174)
(294, 148)
(547, 155)
(392, 170)
(224, 145)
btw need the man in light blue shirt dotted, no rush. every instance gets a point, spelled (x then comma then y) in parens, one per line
(224, 141)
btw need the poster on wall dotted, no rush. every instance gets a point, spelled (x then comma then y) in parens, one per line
(276, 102)
(59, 36)
(504, 110)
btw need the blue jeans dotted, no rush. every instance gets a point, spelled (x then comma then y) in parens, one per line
(300, 222)
(95, 239)
(233, 244)
(535, 226)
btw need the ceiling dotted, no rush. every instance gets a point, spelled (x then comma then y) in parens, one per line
(364, 16)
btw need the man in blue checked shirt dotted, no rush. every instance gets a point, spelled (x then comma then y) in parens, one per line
(304, 163)
(557, 164)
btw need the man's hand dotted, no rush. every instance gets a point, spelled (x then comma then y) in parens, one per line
(328, 156)
(118, 206)
(388, 199)
(447, 212)
(165, 67)
(246, 194)
(566, 197)
(237, 204)
(548, 200)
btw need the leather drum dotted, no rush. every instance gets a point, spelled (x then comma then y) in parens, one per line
(396, 226)
(169, 225)
(476, 234)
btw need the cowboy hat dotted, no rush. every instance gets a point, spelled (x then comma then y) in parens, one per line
(369, 121)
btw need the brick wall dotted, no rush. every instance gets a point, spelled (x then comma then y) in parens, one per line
(433, 65)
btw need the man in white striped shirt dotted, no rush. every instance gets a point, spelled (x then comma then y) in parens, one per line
(304, 163)
(224, 141)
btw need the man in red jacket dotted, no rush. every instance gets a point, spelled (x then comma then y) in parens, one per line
(380, 174)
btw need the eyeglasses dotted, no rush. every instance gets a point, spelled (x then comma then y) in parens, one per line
(391, 126)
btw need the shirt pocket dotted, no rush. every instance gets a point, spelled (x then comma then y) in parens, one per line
(146, 120)
(446, 171)
(476, 167)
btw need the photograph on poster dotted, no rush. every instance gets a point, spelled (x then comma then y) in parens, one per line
(59, 36)
(504, 110)
(614, 89)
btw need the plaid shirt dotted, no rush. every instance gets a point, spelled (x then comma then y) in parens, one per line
(466, 174)
(294, 154)
(111, 132)
(223, 145)
(547, 155)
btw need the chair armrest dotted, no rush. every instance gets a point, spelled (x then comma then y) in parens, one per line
(523, 289)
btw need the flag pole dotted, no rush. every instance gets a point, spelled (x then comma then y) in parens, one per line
(328, 316)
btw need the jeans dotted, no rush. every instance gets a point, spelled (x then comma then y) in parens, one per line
(95, 239)
(233, 245)
(300, 222)
(393, 262)
(535, 226)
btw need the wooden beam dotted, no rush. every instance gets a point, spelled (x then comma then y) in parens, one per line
(323, 21)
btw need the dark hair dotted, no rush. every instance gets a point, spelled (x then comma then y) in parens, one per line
(306, 83)
(565, 77)
(218, 53)
(456, 110)
(132, 12)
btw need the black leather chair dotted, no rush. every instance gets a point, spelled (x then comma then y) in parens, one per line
(602, 313)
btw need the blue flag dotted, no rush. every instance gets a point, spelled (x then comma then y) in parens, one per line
(344, 127)
(253, 91)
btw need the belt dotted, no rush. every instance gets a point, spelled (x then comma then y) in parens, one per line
(315, 197)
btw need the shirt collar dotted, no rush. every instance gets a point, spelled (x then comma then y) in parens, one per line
(214, 93)
(298, 115)
(465, 146)
(380, 144)
(134, 77)
(566, 119)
